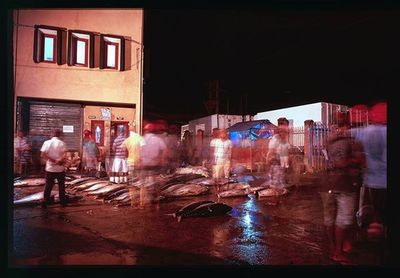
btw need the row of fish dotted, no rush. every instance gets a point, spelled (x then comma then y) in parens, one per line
(259, 192)
(183, 183)
(37, 198)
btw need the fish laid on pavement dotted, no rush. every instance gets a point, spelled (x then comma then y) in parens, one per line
(270, 192)
(205, 209)
(37, 198)
(185, 190)
(230, 186)
(107, 189)
(33, 199)
(79, 181)
(120, 198)
(86, 185)
(233, 193)
(178, 179)
(200, 170)
(170, 189)
(203, 181)
(97, 186)
(253, 190)
(114, 194)
(30, 182)
(188, 208)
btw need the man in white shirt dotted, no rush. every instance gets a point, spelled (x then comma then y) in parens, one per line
(222, 151)
(54, 152)
(278, 154)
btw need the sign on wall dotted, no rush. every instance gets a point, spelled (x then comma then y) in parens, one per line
(105, 114)
(68, 129)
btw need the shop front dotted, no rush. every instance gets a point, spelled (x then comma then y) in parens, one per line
(39, 118)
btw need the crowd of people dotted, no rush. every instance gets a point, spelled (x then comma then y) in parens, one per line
(355, 178)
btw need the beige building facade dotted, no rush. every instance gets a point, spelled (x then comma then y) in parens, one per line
(76, 70)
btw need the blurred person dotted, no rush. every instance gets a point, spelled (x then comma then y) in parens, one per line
(186, 148)
(90, 153)
(24, 153)
(374, 140)
(277, 159)
(153, 151)
(173, 144)
(213, 142)
(206, 150)
(16, 154)
(54, 152)
(119, 170)
(340, 192)
(162, 132)
(199, 149)
(151, 162)
(222, 153)
(214, 138)
(132, 144)
(37, 140)
(161, 127)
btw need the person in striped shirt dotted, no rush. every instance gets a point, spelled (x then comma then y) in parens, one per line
(119, 170)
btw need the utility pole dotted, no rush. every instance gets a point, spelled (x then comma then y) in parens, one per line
(246, 103)
(216, 96)
(243, 105)
(217, 100)
(212, 104)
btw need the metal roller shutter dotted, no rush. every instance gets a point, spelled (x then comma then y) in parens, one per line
(45, 117)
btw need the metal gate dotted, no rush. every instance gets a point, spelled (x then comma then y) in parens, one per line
(318, 143)
(45, 117)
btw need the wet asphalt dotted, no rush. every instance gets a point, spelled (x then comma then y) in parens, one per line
(256, 232)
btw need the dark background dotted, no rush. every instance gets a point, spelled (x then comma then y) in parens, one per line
(267, 58)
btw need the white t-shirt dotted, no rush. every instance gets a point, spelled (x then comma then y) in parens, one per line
(274, 142)
(151, 151)
(283, 149)
(222, 150)
(55, 149)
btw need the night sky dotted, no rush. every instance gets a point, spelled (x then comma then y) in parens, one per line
(273, 58)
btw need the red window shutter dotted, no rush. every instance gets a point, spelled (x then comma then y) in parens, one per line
(122, 54)
(35, 45)
(91, 47)
(59, 47)
(40, 47)
(70, 50)
(102, 62)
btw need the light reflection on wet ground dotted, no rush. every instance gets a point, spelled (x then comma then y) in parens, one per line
(254, 233)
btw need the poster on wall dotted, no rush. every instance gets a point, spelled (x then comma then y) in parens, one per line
(98, 132)
(105, 113)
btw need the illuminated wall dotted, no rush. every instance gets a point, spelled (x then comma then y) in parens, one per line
(63, 82)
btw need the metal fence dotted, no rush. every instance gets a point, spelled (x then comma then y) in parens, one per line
(318, 138)
(296, 137)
